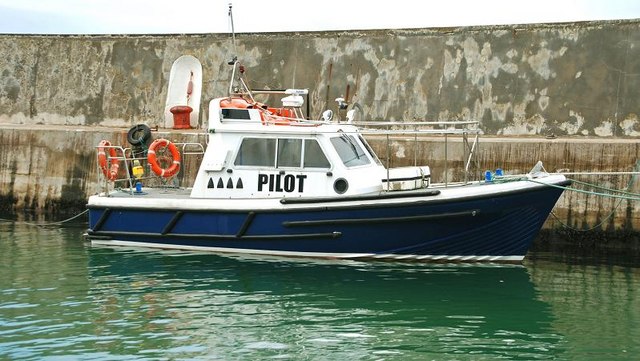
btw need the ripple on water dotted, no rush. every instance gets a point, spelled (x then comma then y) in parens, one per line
(11, 305)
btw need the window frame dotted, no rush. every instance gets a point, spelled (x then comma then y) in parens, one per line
(275, 164)
(238, 153)
(301, 153)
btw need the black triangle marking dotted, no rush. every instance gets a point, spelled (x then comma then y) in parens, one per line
(220, 183)
(230, 184)
(239, 185)
(210, 184)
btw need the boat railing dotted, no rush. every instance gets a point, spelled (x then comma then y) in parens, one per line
(121, 158)
(197, 148)
(467, 130)
(126, 157)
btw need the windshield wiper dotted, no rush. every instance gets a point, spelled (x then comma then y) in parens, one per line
(353, 146)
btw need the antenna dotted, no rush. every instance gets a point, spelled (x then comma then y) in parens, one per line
(234, 58)
(234, 62)
(233, 31)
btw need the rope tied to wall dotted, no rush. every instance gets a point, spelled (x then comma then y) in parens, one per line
(46, 224)
(619, 194)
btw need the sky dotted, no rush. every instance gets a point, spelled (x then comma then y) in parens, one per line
(200, 16)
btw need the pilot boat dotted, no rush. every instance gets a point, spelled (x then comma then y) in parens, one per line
(271, 182)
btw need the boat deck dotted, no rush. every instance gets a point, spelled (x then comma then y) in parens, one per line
(159, 192)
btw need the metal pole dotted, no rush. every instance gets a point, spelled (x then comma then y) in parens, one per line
(465, 147)
(233, 31)
(415, 148)
(388, 161)
(446, 161)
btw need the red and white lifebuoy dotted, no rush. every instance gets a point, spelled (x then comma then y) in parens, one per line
(153, 159)
(110, 172)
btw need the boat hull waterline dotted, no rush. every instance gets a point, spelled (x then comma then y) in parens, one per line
(494, 223)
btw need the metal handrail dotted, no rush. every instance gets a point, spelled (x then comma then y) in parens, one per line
(126, 159)
(419, 131)
(422, 123)
(466, 128)
(122, 158)
(190, 144)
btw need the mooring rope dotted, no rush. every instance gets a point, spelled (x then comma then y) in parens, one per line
(605, 219)
(635, 198)
(623, 195)
(608, 189)
(46, 224)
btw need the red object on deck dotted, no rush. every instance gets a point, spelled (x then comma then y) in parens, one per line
(181, 116)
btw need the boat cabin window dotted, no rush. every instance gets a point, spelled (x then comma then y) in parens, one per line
(314, 156)
(289, 153)
(350, 151)
(281, 153)
(257, 152)
(370, 150)
(229, 113)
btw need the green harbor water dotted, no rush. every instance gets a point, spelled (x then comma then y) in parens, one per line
(61, 298)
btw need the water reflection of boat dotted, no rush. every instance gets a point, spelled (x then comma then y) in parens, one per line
(492, 310)
(596, 306)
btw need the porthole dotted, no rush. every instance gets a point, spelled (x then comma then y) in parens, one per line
(340, 185)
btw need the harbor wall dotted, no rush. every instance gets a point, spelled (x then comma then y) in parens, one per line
(566, 94)
(53, 168)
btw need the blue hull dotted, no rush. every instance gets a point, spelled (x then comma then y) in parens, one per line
(496, 227)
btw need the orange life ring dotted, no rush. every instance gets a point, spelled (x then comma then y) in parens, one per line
(153, 159)
(110, 172)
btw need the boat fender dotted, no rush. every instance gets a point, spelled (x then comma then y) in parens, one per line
(139, 134)
(153, 159)
(110, 172)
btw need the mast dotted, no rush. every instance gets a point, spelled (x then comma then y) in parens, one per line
(234, 62)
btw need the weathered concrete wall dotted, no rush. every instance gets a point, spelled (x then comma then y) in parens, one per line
(59, 95)
(565, 79)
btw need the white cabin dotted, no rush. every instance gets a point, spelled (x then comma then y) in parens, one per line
(260, 152)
